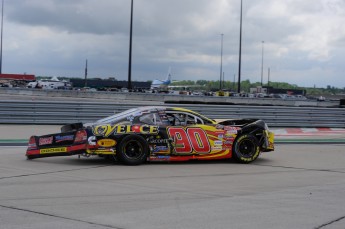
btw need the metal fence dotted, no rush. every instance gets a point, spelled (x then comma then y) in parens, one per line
(57, 112)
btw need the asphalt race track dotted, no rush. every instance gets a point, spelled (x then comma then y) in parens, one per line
(296, 186)
(299, 185)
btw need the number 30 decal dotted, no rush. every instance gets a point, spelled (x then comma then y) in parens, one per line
(189, 140)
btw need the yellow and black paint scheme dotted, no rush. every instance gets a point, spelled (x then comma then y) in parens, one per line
(134, 138)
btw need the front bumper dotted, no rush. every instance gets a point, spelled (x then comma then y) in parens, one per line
(269, 141)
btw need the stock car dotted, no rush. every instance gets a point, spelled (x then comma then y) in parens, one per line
(157, 134)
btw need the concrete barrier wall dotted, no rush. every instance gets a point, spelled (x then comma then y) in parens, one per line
(49, 111)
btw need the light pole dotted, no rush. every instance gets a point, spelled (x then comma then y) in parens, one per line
(221, 63)
(262, 63)
(268, 82)
(2, 25)
(85, 80)
(233, 83)
(130, 50)
(239, 56)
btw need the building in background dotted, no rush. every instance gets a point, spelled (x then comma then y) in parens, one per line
(109, 84)
(15, 80)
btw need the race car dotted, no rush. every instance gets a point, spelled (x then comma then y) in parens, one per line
(157, 134)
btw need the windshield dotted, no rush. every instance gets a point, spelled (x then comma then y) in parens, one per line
(120, 116)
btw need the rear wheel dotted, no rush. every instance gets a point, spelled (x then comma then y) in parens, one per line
(246, 149)
(132, 150)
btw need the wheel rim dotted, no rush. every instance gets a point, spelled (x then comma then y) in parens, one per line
(133, 150)
(247, 148)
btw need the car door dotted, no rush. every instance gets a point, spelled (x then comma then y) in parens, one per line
(191, 136)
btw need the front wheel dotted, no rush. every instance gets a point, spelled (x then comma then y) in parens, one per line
(246, 149)
(132, 150)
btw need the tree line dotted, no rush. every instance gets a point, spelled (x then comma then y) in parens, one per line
(246, 85)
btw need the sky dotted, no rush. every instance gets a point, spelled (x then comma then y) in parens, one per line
(299, 42)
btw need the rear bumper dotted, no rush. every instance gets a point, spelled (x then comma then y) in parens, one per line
(56, 151)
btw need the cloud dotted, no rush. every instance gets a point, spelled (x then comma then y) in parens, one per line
(54, 37)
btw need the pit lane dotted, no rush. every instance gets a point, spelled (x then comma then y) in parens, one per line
(296, 186)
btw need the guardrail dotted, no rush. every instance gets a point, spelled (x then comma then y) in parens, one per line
(57, 112)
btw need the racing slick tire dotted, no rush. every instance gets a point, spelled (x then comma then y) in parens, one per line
(246, 149)
(132, 150)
